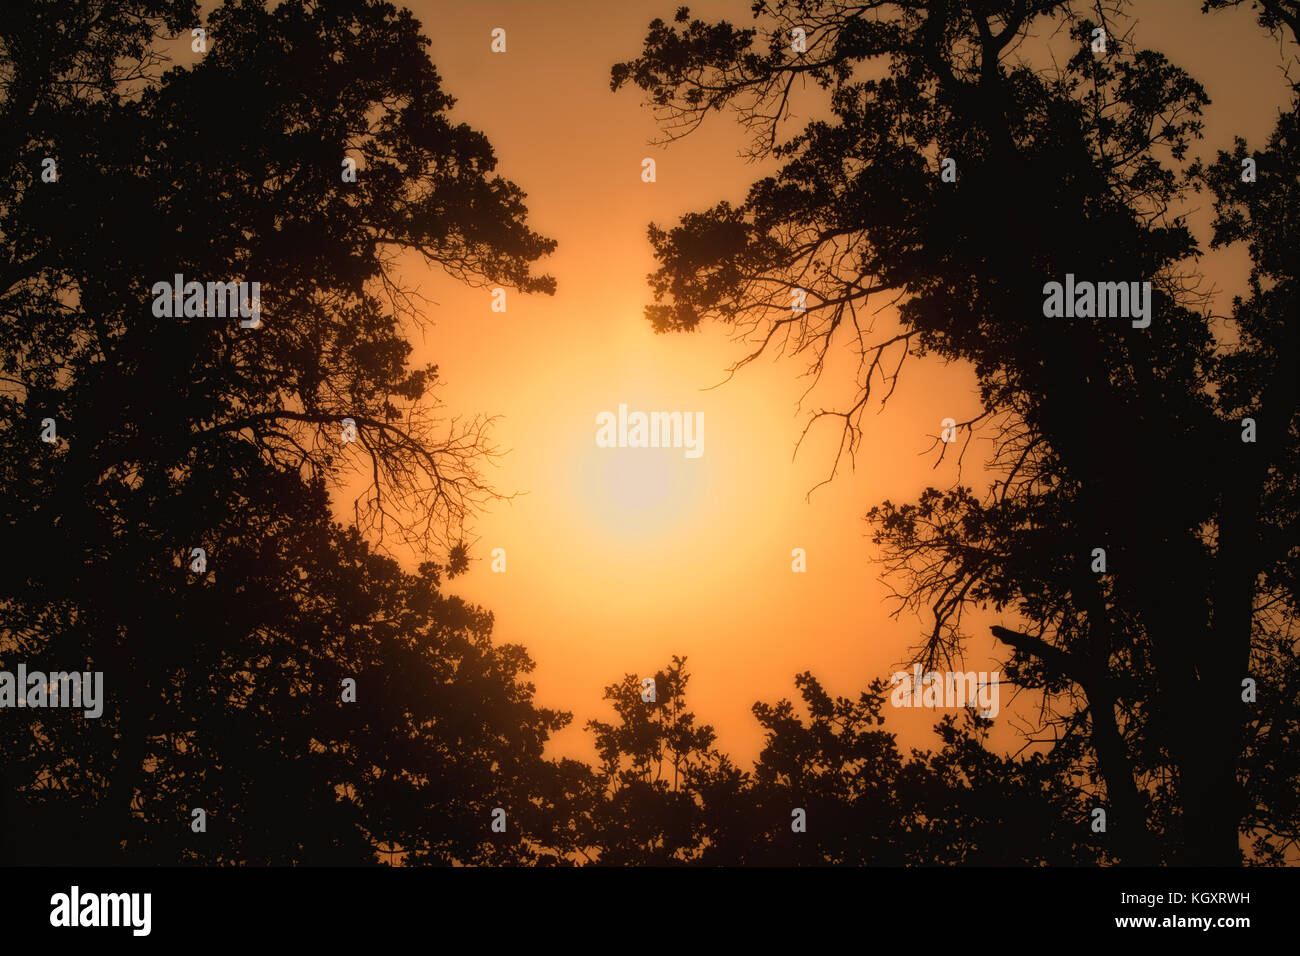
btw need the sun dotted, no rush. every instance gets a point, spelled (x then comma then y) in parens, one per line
(639, 493)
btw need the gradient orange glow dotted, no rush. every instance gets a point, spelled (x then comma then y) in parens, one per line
(619, 558)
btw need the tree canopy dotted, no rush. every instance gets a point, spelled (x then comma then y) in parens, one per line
(1105, 434)
(173, 528)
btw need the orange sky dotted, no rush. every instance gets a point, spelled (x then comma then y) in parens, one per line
(619, 558)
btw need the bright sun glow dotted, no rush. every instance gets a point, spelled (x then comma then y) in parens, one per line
(639, 492)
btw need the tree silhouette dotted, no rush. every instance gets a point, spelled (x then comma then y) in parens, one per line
(183, 432)
(1103, 435)
(650, 767)
(841, 770)
(830, 788)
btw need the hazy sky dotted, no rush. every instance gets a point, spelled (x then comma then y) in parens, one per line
(619, 558)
